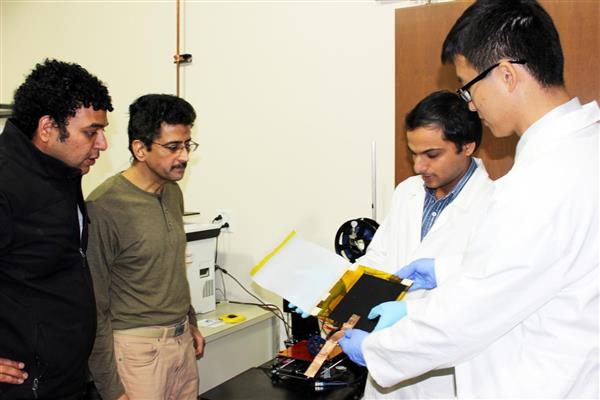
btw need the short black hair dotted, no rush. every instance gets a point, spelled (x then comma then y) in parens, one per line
(492, 30)
(57, 89)
(147, 113)
(447, 111)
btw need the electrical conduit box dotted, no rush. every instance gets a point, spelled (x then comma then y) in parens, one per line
(200, 264)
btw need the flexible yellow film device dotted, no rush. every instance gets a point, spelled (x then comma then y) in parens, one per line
(321, 283)
(357, 292)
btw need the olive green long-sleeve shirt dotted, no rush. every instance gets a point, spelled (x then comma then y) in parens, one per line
(136, 255)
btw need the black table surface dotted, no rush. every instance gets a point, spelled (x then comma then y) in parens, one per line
(255, 384)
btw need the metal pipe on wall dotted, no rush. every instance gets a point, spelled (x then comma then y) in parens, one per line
(179, 58)
(177, 55)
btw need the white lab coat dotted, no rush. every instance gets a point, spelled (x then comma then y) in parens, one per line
(521, 319)
(398, 242)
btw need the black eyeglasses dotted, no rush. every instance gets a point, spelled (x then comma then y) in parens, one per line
(463, 92)
(177, 147)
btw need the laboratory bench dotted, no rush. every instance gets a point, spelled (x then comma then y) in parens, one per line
(256, 384)
(232, 348)
(237, 358)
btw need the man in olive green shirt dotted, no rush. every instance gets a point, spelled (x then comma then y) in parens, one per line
(147, 340)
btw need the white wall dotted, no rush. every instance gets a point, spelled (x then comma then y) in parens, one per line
(289, 97)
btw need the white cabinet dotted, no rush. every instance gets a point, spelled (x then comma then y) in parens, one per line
(233, 348)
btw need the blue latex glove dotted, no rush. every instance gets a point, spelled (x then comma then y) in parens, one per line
(389, 313)
(421, 272)
(298, 310)
(351, 344)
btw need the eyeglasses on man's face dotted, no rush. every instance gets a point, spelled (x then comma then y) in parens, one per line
(464, 93)
(177, 147)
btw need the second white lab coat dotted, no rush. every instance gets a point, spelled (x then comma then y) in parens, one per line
(398, 242)
(520, 320)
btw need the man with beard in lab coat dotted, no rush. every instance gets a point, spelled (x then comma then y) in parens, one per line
(432, 212)
(521, 318)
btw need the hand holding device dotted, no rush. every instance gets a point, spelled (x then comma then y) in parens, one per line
(351, 344)
(389, 313)
(298, 310)
(421, 272)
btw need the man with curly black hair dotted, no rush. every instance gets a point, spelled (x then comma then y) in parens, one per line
(47, 308)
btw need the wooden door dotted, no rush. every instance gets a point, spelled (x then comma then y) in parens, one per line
(420, 32)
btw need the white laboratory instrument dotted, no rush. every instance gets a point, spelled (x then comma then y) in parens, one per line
(201, 245)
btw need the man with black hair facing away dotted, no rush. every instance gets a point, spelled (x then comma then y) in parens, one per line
(47, 309)
(520, 320)
(432, 213)
(147, 339)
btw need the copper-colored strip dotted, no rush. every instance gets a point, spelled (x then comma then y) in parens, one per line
(329, 345)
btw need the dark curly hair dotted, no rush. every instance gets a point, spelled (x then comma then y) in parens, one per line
(57, 89)
(147, 113)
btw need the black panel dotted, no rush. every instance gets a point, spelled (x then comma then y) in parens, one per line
(366, 293)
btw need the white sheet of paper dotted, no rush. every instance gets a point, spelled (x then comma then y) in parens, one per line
(301, 272)
(210, 323)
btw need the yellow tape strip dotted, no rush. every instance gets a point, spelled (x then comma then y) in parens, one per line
(271, 254)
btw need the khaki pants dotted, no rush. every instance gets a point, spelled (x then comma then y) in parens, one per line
(157, 368)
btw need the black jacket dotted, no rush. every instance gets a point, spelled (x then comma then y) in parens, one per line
(47, 307)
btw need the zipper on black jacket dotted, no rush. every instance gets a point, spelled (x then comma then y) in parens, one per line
(36, 381)
(40, 365)
(34, 388)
